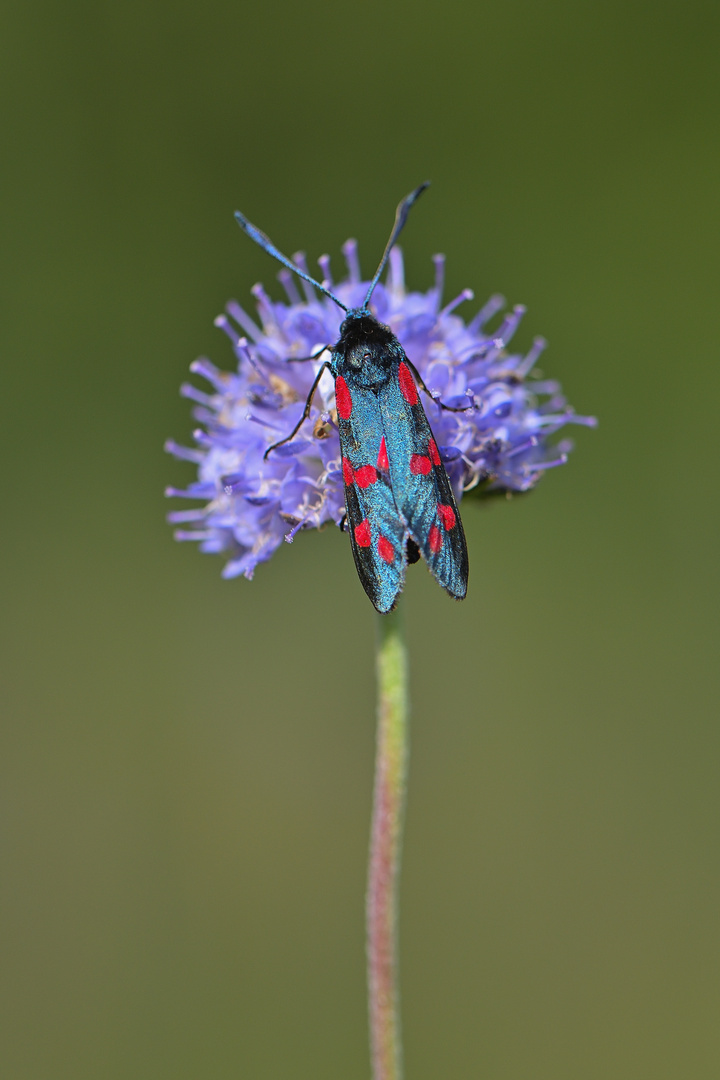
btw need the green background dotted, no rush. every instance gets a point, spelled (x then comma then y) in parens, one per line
(187, 762)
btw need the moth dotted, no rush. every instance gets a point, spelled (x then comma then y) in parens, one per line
(398, 497)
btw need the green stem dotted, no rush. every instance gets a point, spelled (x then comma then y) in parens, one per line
(385, 843)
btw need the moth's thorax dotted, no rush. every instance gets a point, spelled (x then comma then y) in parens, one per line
(366, 349)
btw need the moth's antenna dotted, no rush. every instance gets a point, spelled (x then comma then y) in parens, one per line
(400, 218)
(267, 245)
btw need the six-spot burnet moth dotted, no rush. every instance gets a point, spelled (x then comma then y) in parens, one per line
(398, 497)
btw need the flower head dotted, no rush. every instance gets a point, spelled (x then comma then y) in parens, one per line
(500, 442)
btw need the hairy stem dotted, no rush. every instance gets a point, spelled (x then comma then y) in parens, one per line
(385, 843)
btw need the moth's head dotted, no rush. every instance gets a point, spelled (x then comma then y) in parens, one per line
(365, 342)
(360, 326)
(357, 320)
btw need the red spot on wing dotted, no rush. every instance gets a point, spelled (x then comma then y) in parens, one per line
(365, 476)
(385, 549)
(447, 516)
(347, 471)
(382, 461)
(420, 465)
(408, 388)
(342, 398)
(434, 456)
(435, 539)
(362, 534)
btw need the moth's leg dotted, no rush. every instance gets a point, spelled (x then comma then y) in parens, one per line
(306, 411)
(304, 359)
(343, 522)
(448, 408)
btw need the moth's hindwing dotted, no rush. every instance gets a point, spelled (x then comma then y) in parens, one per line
(421, 487)
(377, 531)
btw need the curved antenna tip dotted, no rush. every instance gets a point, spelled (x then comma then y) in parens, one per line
(267, 245)
(400, 218)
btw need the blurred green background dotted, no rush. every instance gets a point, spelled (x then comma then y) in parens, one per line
(187, 762)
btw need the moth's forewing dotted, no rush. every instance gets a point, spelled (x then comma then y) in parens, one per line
(377, 532)
(421, 488)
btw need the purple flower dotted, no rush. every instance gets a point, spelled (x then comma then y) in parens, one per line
(501, 442)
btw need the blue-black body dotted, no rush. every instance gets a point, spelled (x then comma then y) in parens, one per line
(398, 496)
